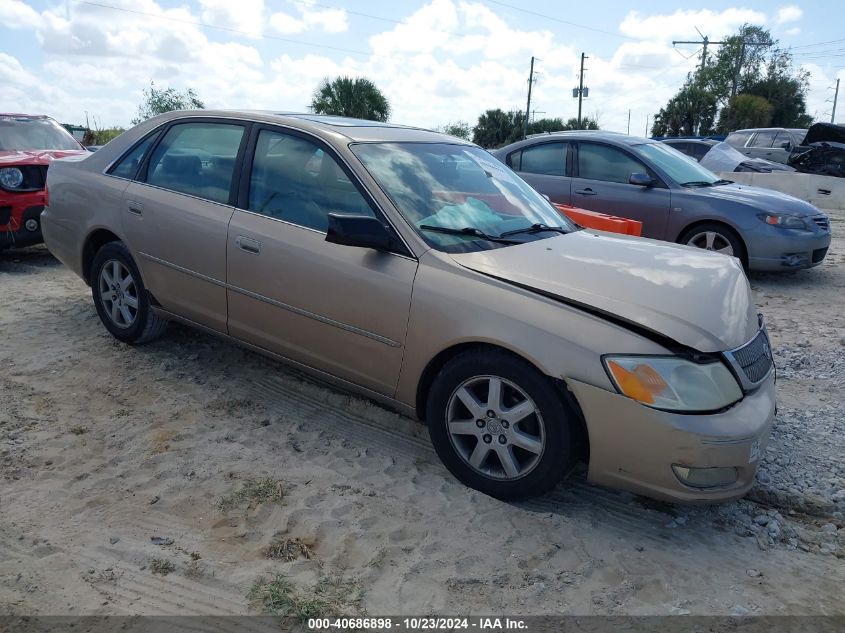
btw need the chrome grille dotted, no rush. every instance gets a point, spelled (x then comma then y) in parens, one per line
(822, 222)
(752, 361)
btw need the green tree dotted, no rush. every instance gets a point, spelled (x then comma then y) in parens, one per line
(461, 129)
(160, 100)
(749, 63)
(691, 111)
(745, 111)
(345, 96)
(496, 128)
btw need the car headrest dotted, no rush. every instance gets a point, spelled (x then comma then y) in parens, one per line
(182, 164)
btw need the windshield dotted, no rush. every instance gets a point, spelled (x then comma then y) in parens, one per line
(33, 133)
(456, 187)
(678, 166)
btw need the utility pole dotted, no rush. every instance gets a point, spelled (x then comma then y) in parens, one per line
(646, 125)
(704, 43)
(629, 121)
(581, 88)
(528, 105)
(835, 97)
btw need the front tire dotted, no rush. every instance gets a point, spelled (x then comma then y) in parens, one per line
(715, 237)
(499, 425)
(120, 297)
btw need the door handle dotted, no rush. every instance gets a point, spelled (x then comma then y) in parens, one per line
(135, 207)
(585, 192)
(248, 244)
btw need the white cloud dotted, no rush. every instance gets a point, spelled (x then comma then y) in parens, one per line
(310, 17)
(682, 23)
(17, 15)
(446, 60)
(788, 14)
(243, 15)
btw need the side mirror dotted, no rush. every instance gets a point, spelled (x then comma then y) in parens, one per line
(786, 145)
(640, 179)
(363, 231)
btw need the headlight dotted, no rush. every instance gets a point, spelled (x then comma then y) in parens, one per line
(672, 383)
(783, 220)
(11, 177)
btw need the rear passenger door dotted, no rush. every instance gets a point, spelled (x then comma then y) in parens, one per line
(339, 309)
(761, 145)
(600, 183)
(176, 216)
(544, 167)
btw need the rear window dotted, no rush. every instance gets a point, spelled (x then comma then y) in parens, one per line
(738, 139)
(764, 138)
(547, 159)
(197, 159)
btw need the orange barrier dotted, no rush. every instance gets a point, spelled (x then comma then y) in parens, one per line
(601, 221)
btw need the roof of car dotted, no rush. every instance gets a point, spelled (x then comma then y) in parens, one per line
(593, 135)
(353, 129)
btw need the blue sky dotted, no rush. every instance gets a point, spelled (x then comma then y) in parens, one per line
(437, 60)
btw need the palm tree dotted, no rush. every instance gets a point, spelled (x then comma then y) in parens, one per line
(345, 96)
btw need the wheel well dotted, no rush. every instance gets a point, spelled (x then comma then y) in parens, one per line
(689, 227)
(94, 243)
(436, 364)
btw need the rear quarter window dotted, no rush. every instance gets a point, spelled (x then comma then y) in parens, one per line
(738, 139)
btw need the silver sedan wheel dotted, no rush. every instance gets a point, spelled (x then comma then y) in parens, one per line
(118, 293)
(495, 427)
(711, 241)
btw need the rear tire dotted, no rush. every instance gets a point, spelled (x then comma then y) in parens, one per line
(120, 297)
(470, 428)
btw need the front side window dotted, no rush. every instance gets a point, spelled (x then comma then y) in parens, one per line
(442, 189)
(609, 164)
(197, 159)
(127, 167)
(679, 167)
(547, 159)
(296, 181)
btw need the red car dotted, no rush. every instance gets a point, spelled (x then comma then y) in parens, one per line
(28, 144)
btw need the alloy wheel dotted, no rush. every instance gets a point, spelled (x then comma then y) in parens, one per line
(495, 427)
(118, 293)
(711, 241)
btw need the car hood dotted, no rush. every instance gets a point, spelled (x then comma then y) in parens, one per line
(695, 298)
(764, 200)
(36, 157)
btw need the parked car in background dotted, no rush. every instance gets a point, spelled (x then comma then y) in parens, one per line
(825, 153)
(416, 269)
(675, 198)
(719, 156)
(28, 144)
(770, 143)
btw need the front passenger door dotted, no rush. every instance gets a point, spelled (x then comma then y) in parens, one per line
(340, 309)
(601, 184)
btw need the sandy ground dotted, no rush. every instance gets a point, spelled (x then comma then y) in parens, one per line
(104, 447)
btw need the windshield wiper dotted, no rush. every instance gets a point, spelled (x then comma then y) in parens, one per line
(468, 231)
(698, 183)
(722, 181)
(535, 228)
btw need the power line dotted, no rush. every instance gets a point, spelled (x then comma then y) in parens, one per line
(554, 19)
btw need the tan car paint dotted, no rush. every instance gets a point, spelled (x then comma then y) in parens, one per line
(180, 246)
(347, 308)
(348, 320)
